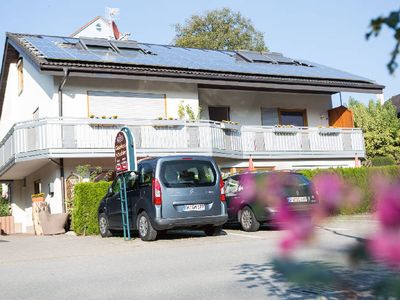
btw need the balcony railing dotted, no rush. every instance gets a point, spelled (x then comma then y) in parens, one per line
(54, 137)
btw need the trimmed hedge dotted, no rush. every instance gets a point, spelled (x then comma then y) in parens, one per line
(380, 161)
(361, 178)
(87, 196)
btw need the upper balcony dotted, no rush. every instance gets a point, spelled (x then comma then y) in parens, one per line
(72, 138)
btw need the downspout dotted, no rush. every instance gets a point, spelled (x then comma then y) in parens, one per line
(60, 115)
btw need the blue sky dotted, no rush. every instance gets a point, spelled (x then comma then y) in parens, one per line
(327, 32)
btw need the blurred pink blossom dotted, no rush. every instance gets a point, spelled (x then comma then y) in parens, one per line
(388, 205)
(299, 226)
(329, 190)
(333, 194)
(385, 246)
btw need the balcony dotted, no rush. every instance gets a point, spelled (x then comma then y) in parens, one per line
(55, 138)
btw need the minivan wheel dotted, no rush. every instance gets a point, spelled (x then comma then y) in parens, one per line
(212, 230)
(104, 226)
(146, 230)
(248, 220)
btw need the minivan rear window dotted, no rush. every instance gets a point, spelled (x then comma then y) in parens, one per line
(187, 173)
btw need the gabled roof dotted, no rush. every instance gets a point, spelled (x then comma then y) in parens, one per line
(229, 68)
(88, 24)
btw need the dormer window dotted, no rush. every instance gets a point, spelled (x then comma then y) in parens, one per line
(20, 71)
(268, 58)
(97, 45)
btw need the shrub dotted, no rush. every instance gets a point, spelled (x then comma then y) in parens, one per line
(5, 208)
(361, 178)
(87, 196)
(379, 161)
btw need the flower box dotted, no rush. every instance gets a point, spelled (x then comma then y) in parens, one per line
(168, 123)
(289, 130)
(328, 131)
(38, 197)
(230, 126)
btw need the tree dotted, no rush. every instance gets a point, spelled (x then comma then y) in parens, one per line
(381, 128)
(219, 29)
(392, 21)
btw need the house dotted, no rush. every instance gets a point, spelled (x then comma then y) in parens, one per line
(63, 99)
(396, 102)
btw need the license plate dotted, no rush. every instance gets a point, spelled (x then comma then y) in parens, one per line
(297, 199)
(195, 207)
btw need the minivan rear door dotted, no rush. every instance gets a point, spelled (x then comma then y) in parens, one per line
(190, 188)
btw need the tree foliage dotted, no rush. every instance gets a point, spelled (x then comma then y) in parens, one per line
(381, 128)
(219, 29)
(392, 21)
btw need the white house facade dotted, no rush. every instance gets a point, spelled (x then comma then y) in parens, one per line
(63, 100)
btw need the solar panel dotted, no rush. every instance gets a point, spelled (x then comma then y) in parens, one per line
(55, 48)
(95, 42)
(279, 58)
(127, 45)
(253, 56)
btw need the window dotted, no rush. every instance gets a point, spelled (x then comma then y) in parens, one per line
(20, 69)
(232, 185)
(116, 187)
(131, 182)
(219, 113)
(293, 117)
(187, 173)
(269, 116)
(126, 104)
(146, 174)
(37, 187)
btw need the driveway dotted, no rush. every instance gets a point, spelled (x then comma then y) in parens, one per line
(181, 265)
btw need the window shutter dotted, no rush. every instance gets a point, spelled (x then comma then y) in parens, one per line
(269, 116)
(126, 105)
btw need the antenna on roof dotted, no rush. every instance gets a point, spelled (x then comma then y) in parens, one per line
(112, 13)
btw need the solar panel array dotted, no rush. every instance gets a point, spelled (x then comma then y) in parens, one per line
(132, 53)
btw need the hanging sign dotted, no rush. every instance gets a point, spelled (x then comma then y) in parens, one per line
(125, 154)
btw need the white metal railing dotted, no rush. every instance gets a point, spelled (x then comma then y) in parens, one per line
(80, 136)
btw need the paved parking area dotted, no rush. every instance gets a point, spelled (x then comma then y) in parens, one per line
(181, 265)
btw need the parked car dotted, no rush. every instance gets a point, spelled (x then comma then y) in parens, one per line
(165, 193)
(247, 207)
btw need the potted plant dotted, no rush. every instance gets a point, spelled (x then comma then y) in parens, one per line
(229, 125)
(290, 129)
(38, 197)
(328, 130)
(6, 219)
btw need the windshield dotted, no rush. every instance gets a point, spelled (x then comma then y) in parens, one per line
(187, 173)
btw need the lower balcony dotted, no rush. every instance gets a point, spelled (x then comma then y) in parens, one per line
(56, 138)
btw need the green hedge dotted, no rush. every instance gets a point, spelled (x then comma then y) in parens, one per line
(87, 196)
(360, 177)
(380, 161)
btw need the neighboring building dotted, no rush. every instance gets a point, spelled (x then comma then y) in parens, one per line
(53, 88)
(396, 102)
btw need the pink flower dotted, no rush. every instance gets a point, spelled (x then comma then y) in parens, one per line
(299, 226)
(329, 189)
(385, 247)
(388, 206)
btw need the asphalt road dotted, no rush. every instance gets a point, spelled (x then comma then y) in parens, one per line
(181, 265)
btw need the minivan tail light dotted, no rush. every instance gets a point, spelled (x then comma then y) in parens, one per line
(157, 199)
(222, 188)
